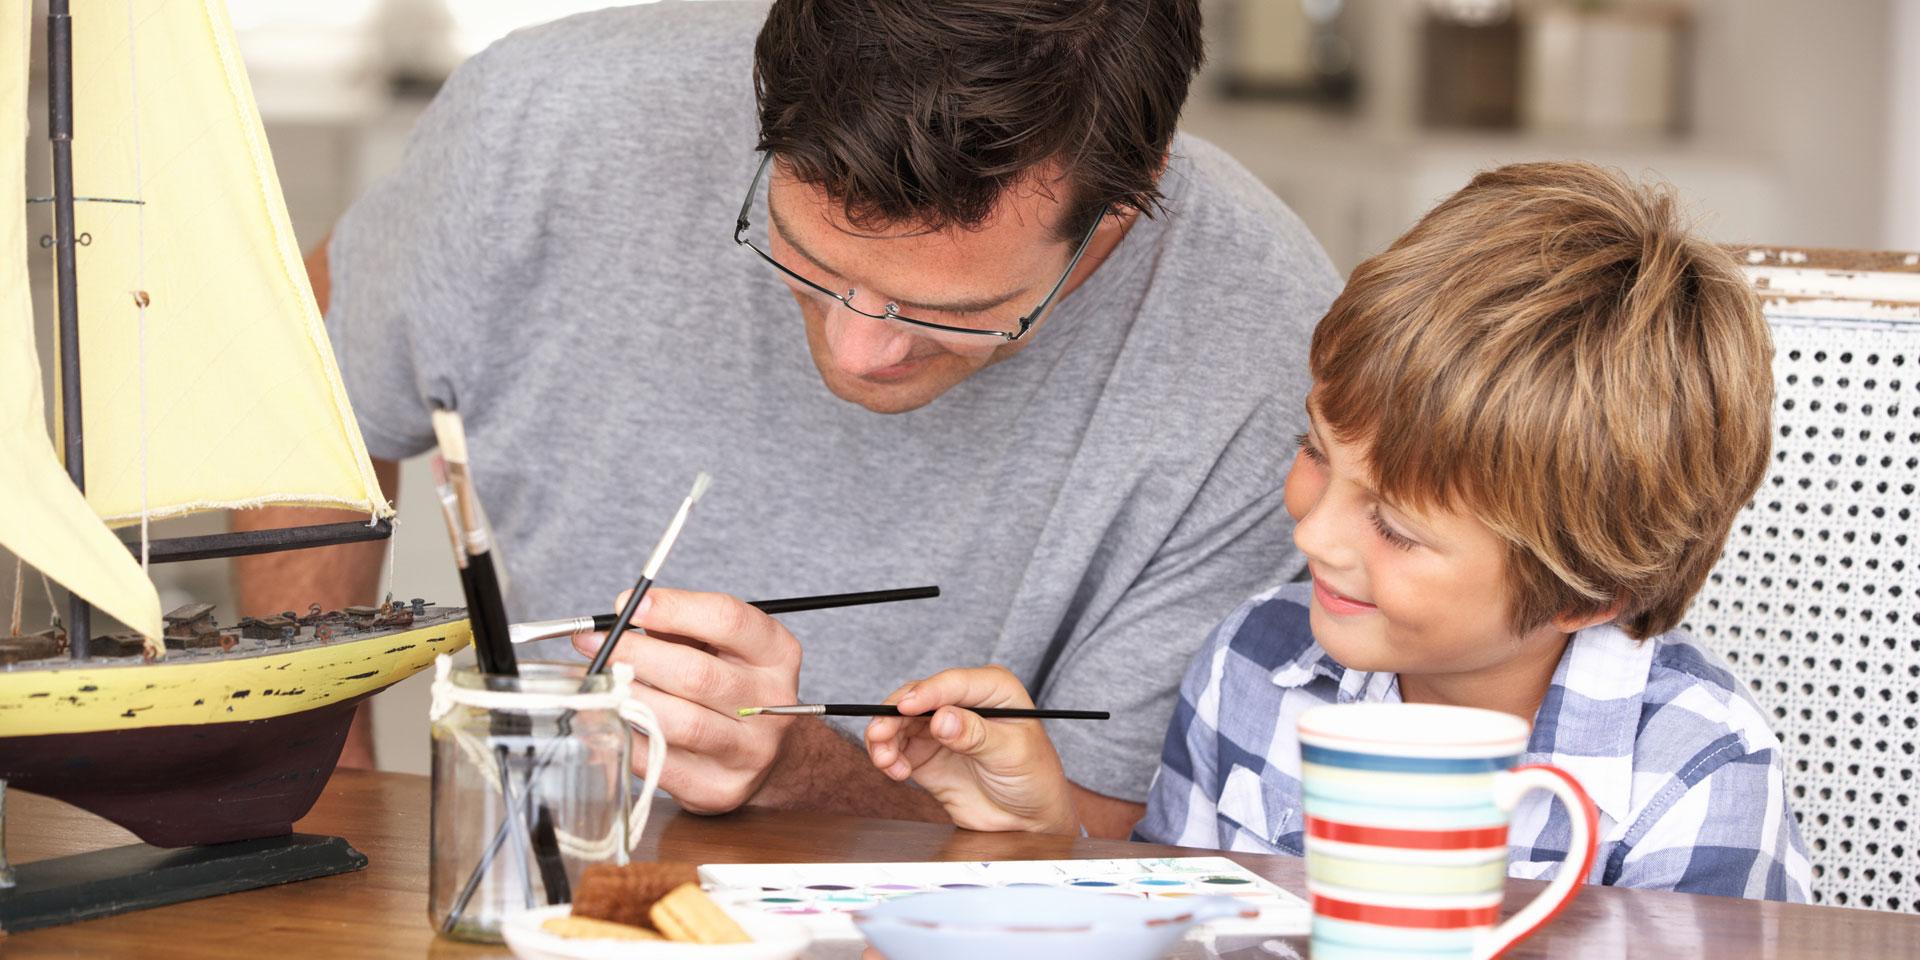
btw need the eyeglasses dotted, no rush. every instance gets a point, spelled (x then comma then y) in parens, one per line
(892, 312)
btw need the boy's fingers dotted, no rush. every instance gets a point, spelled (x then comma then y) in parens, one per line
(969, 687)
(961, 731)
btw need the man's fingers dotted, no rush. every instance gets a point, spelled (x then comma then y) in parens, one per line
(727, 624)
(691, 727)
(690, 674)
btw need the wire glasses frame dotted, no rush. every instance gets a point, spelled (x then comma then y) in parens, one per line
(743, 223)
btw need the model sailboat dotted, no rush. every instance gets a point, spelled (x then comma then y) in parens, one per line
(195, 368)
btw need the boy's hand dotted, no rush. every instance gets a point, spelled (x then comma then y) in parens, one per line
(990, 774)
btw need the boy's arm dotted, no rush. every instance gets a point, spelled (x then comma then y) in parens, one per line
(1181, 803)
(1727, 832)
(997, 775)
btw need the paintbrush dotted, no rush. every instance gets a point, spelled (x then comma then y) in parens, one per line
(487, 615)
(640, 586)
(489, 612)
(568, 626)
(889, 710)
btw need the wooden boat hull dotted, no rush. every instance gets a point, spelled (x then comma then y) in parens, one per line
(184, 785)
(200, 752)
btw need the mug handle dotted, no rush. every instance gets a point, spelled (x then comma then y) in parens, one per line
(639, 717)
(1508, 788)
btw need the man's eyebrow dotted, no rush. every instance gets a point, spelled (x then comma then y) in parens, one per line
(968, 305)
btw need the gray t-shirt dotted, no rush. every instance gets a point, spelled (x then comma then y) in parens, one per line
(555, 255)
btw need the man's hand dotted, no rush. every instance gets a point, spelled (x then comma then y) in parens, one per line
(988, 774)
(702, 658)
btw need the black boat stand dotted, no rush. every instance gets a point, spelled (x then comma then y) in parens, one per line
(60, 890)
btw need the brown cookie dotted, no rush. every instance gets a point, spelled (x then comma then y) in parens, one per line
(625, 894)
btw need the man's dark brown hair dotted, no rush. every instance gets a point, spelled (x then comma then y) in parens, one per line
(925, 111)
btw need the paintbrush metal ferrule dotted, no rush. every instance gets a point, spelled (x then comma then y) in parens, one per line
(796, 710)
(548, 629)
(452, 518)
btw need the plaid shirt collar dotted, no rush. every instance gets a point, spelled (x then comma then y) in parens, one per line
(1609, 659)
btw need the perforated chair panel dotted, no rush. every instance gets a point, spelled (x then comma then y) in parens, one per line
(1816, 601)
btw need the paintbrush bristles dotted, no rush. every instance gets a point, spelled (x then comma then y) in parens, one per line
(660, 550)
(451, 432)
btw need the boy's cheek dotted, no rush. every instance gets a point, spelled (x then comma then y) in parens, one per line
(1302, 490)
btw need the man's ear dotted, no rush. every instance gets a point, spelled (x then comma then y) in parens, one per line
(1575, 621)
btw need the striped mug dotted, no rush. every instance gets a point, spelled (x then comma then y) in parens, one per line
(1406, 833)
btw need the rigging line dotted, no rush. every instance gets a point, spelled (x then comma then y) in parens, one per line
(52, 607)
(140, 298)
(392, 540)
(19, 590)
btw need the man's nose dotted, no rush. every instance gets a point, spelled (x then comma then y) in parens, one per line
(862, 344)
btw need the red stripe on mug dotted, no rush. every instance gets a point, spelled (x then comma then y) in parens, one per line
(1411, 917)
(1479, 838)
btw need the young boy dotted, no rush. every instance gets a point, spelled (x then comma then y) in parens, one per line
(1532, 422)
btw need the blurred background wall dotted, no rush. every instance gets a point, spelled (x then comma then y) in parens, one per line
(1779, 121)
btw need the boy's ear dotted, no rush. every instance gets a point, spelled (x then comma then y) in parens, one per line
(1575, 621)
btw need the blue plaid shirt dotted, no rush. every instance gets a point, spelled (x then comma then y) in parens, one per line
(1678, 759)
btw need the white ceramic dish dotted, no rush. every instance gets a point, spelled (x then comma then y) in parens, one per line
(774, 938)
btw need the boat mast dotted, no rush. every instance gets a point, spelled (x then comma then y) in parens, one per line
(60, 132)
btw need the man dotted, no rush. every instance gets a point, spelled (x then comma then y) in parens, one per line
(1042, 355)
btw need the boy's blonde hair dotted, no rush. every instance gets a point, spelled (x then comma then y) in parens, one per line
(1549, 351)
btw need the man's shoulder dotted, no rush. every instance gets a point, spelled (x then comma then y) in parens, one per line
(1225, 219)
(645, 65)
(694, 33)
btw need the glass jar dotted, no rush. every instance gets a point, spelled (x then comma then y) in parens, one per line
(530, 786)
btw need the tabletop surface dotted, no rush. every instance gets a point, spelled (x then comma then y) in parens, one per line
(382, 911)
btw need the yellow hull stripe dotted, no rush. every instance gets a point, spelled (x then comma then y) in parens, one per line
(82, 699)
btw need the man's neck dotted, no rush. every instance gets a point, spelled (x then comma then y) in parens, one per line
(1516, 686)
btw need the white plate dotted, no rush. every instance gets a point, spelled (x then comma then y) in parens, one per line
(774, 938)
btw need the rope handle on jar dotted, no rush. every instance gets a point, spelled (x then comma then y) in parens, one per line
(619, 698)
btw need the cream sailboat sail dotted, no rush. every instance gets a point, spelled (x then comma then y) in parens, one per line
(207, 382)
(46, 522)
(243, 405)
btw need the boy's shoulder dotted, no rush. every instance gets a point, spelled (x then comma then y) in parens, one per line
(1272, 631)
(1640, 722)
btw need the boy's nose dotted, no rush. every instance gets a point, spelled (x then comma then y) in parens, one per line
(861, 344)
(1315, 534)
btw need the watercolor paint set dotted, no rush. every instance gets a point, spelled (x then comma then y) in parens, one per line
(825, 896)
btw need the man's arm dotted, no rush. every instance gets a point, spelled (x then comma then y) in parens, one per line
(820, 769)
(332, 577)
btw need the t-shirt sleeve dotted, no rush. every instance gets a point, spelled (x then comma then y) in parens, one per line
(413, 263)
(1234, 540)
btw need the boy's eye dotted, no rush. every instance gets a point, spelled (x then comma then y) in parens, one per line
(1389, 534)
(1305, 443)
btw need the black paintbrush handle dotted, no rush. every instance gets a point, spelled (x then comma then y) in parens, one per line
(991, 713)
(490, 640)
(605, 621)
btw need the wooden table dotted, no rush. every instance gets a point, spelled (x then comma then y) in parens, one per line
(382, 910)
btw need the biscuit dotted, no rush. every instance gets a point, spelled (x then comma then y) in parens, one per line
(690, 916)
(587, 928)
(625, 894)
